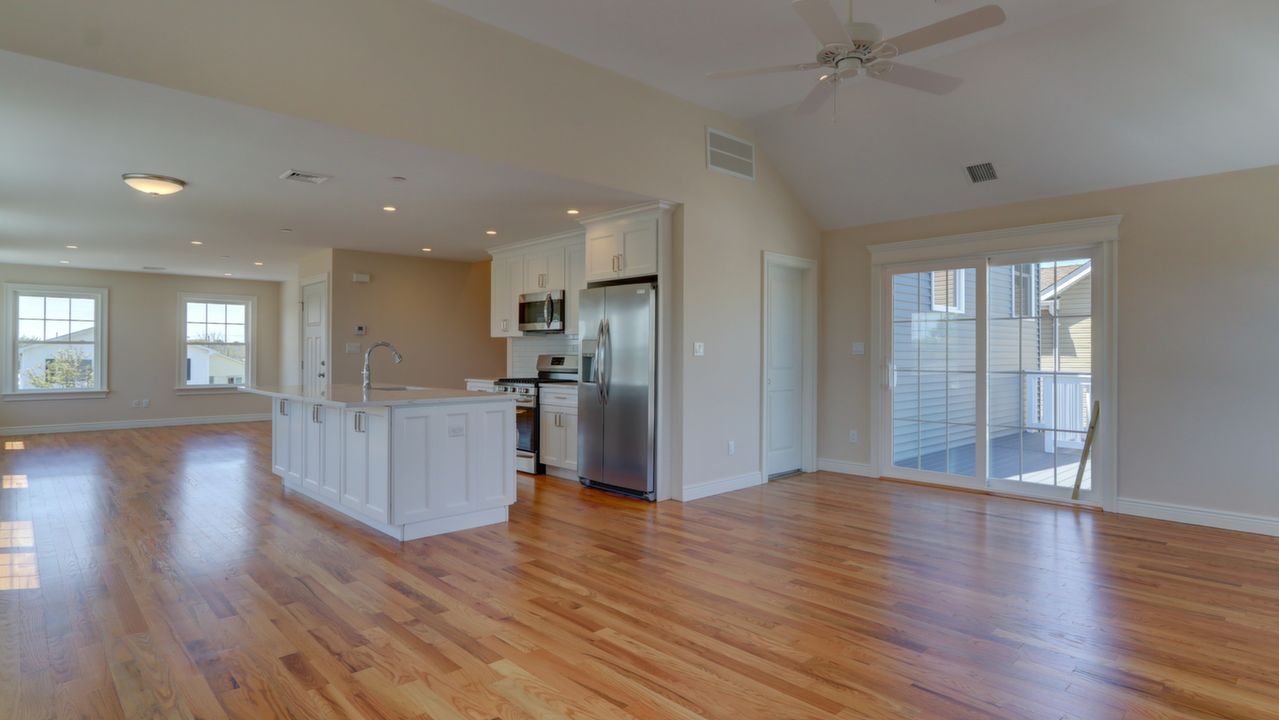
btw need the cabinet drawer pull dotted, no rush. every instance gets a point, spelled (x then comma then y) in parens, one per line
(359, 422)
(284, 410)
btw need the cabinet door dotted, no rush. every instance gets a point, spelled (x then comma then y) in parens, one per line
(603, 246)
(568, 428)
(506, 284)
(639, 247)
(297, 443)
(574, 284)
(551, 444)
(313, 460)
(365, 484)
(330, 480)
(279, 436)
(544, 270)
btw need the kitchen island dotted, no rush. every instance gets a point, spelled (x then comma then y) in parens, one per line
(408, 461)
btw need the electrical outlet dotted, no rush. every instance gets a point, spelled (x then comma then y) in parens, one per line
(140, 403)
(732, 447)
(699, 349)
(853, 437)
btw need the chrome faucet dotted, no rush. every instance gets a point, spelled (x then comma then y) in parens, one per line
(395, 357)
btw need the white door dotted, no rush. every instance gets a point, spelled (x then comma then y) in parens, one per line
(315, 336)
(784, 375)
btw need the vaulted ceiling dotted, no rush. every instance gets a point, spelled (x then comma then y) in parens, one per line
(1068, 96)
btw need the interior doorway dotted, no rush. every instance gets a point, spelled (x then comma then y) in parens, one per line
(315, 334)
(788, 442)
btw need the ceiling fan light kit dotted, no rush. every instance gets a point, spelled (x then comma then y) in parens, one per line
(856, 48)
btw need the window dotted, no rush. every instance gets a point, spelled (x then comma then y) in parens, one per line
(948, 291)
(217, 341)
(55, 340)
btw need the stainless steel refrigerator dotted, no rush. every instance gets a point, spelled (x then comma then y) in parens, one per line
(617, 389)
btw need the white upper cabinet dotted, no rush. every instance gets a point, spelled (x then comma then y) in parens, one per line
(626, 244)
(544, 270)
(507, 283)
(576, 284)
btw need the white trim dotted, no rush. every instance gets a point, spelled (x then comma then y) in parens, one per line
(626, 212)
(25, 395)
(566, 238)
(9, 328)
(845, 467)
(1242, 522)
(208, 389)
(132, 424)
(250, 338)
(723, 485)
(1080, 233)
(808, 410)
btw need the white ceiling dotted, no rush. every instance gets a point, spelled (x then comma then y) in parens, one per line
(1068, 96)
(67, 134)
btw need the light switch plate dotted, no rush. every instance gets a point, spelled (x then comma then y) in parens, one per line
(859, 348)
(352, 348)
(699, 349)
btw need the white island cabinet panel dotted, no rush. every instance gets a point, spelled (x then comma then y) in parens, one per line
(366, 482)
(445, 467)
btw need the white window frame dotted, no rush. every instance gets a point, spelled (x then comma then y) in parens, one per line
(250, 337)
(9, 389)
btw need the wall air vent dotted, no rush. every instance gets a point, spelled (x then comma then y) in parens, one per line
(728, 154)
(305, 177)
(982, 173)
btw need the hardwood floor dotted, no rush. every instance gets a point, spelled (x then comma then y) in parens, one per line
(164, 572)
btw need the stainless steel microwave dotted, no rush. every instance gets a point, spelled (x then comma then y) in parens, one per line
(542, 312)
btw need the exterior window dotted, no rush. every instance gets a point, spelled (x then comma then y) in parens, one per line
(217, 341)
(55, 339)
(948, 291)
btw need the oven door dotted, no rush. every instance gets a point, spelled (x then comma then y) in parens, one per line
(526, 425)
(542, 312)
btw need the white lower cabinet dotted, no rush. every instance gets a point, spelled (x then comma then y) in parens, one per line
(446, 460)
(279, 436)
(366, 481)
(322, 460)
(557, 428)
(295, 451)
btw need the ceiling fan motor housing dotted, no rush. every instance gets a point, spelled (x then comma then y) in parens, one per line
(861, 51)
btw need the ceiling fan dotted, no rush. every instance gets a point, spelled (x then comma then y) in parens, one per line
(857, 49)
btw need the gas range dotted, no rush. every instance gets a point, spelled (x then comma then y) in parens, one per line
(551, 369)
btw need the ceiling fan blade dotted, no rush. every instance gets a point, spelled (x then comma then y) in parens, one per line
(822, 20)
(916, 78)
(817, 97)
(968, 23)
(725, 74)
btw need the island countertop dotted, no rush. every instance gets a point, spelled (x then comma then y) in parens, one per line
(355, 396)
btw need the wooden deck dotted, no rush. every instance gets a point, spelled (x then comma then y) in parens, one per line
(164, 572)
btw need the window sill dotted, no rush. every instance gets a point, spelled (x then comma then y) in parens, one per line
(20, 396)
(208, 390)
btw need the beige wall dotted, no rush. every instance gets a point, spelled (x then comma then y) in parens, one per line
(142, 344)
(392, 68)
(1198, 342)
(435, 312)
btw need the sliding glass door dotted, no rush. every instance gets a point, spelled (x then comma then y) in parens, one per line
(990, 370)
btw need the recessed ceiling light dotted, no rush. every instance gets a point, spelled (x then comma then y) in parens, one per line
(226, 257)
(389, 208)
(426, 249)
(196, 242)
(153, 184)
(258, 263)
(227, 274)
(573, 211)
(286, 229)
(65, 262)
(490, 232)
(73, 247)
(398, 178)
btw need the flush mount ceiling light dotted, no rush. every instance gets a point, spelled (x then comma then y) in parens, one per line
(153, 184)
(573, 211)
(389, 208)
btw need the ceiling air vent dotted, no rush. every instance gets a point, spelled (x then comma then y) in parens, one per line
(982, 173)
(153, 267)
(305, 177)
(728, 154)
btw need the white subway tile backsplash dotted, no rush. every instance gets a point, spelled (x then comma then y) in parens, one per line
(521, 354)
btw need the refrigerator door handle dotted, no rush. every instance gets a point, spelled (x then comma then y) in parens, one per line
(597, 367)
(606, 365)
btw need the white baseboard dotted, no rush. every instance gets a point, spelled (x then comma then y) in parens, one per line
(131, 424)
(847, 468)
(1242, 522)
(723, 485)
